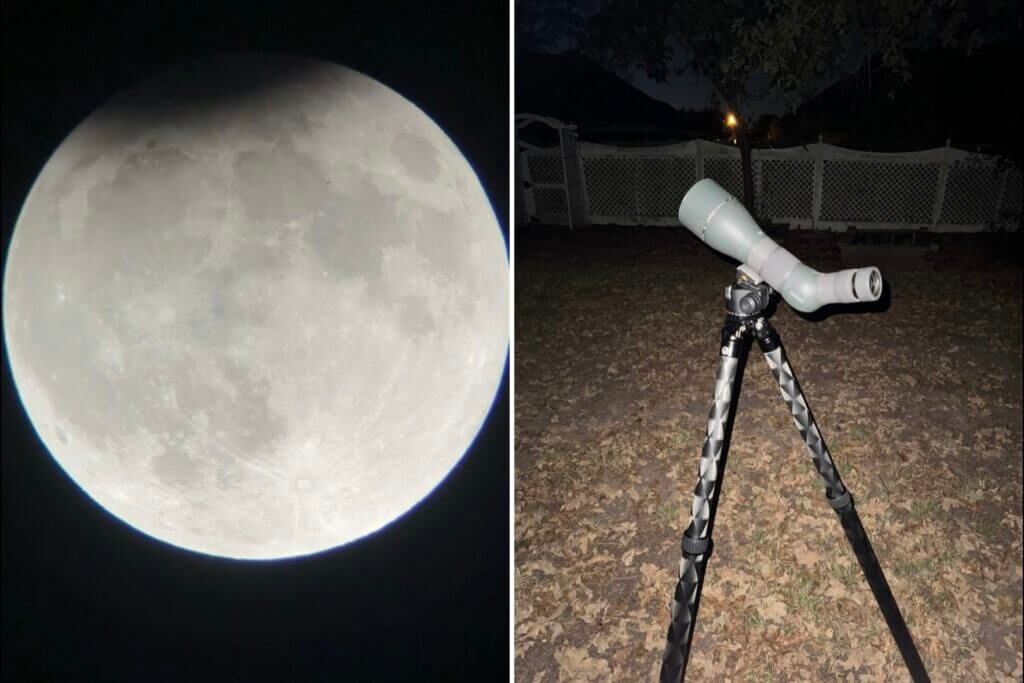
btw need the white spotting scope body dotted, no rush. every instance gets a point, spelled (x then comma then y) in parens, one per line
(719, 220)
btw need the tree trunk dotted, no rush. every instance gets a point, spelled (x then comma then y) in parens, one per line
(747, 167)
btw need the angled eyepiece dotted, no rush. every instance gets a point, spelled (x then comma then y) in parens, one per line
(721, 222)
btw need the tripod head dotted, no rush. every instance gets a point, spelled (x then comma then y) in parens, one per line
(748, 296)
(715, 216)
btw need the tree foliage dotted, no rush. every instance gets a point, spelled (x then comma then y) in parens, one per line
(753, 50)
(546, 26)
(785, 48)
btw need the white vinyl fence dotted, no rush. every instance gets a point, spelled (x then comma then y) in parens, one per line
(816, 186)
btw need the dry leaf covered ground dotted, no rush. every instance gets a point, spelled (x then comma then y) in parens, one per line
(920, 404)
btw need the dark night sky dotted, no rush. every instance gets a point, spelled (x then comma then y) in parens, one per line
(87, 598)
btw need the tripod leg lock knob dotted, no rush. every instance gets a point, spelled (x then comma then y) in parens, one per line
(696, 546)
(840, 502)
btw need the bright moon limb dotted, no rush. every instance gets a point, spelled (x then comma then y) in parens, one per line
(257, 307)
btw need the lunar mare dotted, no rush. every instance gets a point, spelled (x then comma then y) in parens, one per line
(257, 307)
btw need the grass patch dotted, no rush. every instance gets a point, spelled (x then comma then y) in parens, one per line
(990, 528)
(923, 507)
(765, 673)
(668, 513)
(849, 575)
(938, 600)
(844, 466)
(753, 621)
(927, 569)
(804, 594)
(858, 433)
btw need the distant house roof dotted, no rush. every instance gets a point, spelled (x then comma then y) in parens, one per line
(948, 96)
(577, 90)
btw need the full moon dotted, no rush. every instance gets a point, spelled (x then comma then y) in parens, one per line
(257, 306)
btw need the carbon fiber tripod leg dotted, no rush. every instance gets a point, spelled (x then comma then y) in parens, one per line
(839, 497)
(696, 544)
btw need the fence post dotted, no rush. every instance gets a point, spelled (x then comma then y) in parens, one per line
(700, 160)
(758, 170)
(940, 187)
(575, 191)
(521, 211)
(999, 200)
(636, 187)
(819, 173)
(531, 199)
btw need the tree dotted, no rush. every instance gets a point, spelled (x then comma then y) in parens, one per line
(752, 50)
(546, 26)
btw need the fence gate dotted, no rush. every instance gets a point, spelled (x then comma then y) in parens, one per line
(551, 178)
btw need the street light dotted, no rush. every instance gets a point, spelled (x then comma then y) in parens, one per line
(731, 122)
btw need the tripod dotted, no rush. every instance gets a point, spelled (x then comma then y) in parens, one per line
(746, 301)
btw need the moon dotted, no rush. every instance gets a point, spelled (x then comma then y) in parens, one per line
(257, 306)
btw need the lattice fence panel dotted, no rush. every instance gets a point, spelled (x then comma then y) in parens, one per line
(787, 188)
(1010, 209)
(633, 185)
(545, 167)
(971, 194)
(727, 172)
(661, 183)
(611, 185)
(549, 201)
(878, 192)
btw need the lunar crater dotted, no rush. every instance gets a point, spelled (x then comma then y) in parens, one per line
(417, 156)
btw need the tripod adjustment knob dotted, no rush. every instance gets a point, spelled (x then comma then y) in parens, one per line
(749, 303)
(696, 546)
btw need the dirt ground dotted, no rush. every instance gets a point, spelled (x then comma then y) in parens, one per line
(919, 401)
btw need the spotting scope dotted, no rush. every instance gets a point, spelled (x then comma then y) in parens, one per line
(721, 222)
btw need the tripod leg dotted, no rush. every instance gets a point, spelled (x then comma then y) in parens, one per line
(696, 543)
(839, 497)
